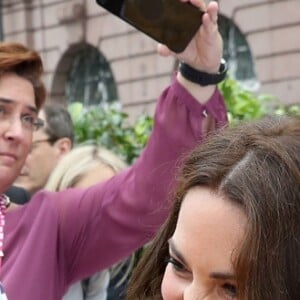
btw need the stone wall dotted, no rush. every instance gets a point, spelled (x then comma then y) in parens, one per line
(56, 27)
(272, 29)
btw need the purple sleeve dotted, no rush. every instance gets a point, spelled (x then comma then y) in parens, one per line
(108, 221)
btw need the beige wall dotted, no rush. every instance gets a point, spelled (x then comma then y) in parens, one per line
(53, 27)
(272, 29)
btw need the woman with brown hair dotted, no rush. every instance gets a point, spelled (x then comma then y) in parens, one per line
(234, 230)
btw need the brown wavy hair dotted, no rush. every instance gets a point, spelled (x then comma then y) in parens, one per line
(27, 63)
(257, 166)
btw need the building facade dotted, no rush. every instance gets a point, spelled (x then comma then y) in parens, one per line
(92, 56)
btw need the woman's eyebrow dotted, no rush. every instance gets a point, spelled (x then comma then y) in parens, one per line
(10, 101)
(223, 275)
(6, 101)
(176, 252)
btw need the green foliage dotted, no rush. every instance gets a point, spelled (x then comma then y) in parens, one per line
(109, 127)
(293, 110)
(243, 104)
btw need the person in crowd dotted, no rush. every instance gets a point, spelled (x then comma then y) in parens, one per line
(58, 238)
(234, 229)
(49, 145)
(82, 167)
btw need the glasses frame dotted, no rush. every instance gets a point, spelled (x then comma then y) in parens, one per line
(38, 124)
(34, 143)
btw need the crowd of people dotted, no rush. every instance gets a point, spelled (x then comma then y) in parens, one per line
(216, 208)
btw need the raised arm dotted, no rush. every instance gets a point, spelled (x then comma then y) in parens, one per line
(107, 222)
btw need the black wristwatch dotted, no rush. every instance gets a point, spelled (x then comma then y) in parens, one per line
(203, 78)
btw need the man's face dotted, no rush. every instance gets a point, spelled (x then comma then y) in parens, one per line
(17, 103)
(40, 161)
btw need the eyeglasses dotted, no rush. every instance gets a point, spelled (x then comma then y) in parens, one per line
(41, 141)
(32, 123)
(35, 143)
(29, 122)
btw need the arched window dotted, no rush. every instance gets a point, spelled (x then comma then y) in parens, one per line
(90, 79)
(237, 53)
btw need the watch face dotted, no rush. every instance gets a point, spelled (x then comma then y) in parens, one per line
(170, 22)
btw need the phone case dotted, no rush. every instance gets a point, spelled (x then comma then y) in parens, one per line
(170, 22)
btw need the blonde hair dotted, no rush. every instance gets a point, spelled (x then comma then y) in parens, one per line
(78, 162)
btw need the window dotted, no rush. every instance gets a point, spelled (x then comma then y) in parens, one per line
(90, 79)
(237, 54)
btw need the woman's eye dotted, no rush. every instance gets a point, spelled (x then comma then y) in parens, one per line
(2, 110)
(177, 265)
(230, 289)
(28, 119)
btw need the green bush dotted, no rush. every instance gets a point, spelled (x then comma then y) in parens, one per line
(243, 104)
(109, 126)
(293, 110)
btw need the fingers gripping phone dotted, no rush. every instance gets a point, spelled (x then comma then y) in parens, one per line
(170, 22)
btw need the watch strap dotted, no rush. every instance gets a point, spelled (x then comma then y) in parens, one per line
(201, 77)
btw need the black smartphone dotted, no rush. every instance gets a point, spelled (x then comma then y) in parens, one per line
(170, 22)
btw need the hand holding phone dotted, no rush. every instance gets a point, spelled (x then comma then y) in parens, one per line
(170, 22)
